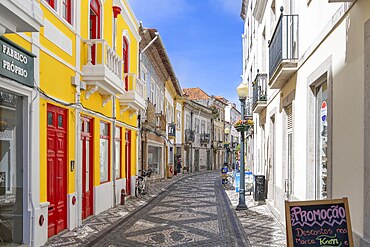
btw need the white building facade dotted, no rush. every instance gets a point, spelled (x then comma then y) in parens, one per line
(305, 63)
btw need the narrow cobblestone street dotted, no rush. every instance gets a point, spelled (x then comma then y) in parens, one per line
(193, 212)
(187, 210)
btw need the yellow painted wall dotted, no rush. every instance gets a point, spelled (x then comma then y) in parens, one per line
(56, 73)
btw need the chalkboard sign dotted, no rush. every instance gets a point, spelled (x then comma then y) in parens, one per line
(318, 223)
(259, 187)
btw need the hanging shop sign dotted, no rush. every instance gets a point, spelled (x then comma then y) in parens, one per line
(318, 223)
(16, 63)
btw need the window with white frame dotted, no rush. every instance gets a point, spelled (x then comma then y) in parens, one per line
(63, 8)
(187, 122)
(178, 120)
(152, 88)
(104, 152)
(196, 125)
(203, 127)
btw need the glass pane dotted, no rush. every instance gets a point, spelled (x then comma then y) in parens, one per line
(118, 133)
(103, 160)
(103, 129)
(60, 121)
(50, 118)
(87, 165)
(11, 169)
(87, 129)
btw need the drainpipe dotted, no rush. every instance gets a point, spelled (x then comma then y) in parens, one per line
(30, 174)
(78, 157)
(116, 12)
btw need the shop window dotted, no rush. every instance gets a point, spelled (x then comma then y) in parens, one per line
(154, 159)
(104, 152)
(11, 169)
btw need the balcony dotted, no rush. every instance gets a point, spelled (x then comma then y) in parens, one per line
(283, 51)
(134, 99)
(205, 138)
(103, 70)
(20, 16)
(260, 93)
(189, 136)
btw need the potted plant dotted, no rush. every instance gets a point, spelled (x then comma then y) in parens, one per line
(243, 125)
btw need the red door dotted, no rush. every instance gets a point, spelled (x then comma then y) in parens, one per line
(56, 169)
(128, 162)
(87, 167)
(94, 25)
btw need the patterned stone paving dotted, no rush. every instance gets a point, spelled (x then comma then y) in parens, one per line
(186, 216)
(260, 225)
(193, 212)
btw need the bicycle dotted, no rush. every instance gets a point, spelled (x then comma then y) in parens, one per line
(142, 183)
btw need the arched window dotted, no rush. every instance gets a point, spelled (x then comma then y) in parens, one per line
(94, 24)
(95, 19)
(125, 47)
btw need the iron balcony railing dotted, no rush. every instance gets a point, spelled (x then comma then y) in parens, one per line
(284, 42)
(189, 136)
(259, 89)
(205, 138)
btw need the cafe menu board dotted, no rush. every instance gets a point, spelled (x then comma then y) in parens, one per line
(318, 223)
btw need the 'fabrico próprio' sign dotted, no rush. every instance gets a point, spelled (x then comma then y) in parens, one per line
(16, 63)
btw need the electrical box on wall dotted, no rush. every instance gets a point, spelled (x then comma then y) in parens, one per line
(72, 165)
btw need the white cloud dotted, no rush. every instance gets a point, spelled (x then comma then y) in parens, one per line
(154, 11)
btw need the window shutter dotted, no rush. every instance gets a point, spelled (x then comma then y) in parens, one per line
(289, 117)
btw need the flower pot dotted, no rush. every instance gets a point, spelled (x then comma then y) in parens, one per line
(240, 128)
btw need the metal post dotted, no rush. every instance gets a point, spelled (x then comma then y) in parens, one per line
(242, 205)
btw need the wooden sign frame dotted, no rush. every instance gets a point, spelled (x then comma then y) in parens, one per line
(289, 229)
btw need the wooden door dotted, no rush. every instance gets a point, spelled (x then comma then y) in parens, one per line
(56, 169)
(87, 167)
(128, 162)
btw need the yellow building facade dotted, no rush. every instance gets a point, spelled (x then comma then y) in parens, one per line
(84, 106)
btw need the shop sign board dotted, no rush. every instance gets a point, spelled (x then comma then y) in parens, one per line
(318, 223)
(16, 63)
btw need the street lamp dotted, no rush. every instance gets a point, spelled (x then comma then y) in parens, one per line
(227, 131)
(242, 90)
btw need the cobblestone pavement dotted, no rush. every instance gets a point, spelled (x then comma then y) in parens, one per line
(193, 212)
(260, 226)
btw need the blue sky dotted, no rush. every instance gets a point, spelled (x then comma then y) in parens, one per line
(202, 39)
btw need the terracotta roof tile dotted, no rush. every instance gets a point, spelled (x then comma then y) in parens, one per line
(195, 93)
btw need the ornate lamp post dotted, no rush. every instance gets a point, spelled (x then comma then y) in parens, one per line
(242, 90)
